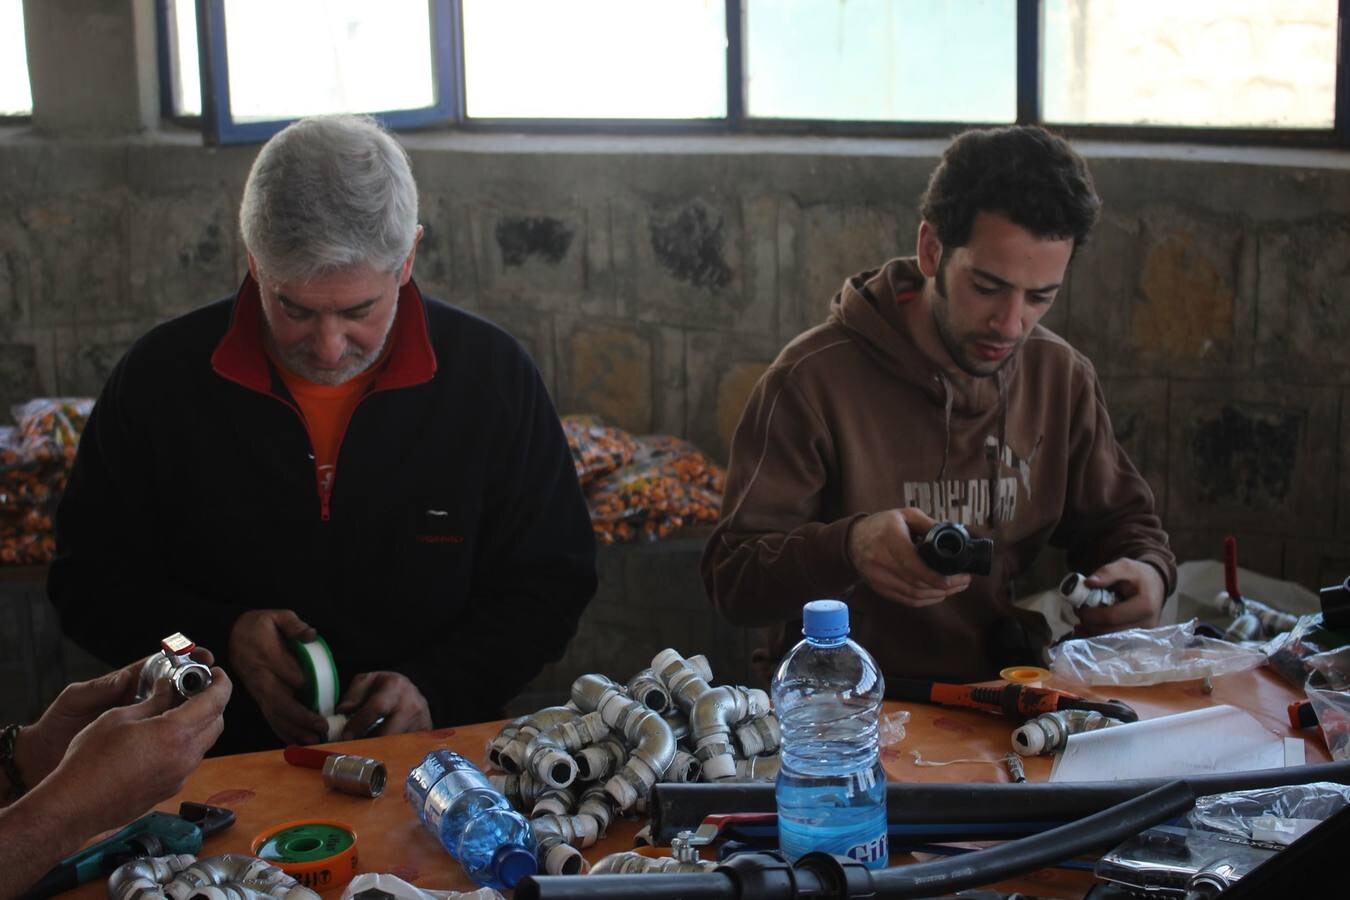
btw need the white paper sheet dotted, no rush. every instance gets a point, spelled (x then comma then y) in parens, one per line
(1199, 742)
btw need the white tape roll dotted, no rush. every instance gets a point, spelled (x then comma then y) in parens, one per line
(321, 675)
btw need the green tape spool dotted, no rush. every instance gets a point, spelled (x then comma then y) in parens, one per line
(319, 854)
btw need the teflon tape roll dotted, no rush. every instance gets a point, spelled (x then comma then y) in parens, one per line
(318, 853)
(321, 675)
(1031, 676)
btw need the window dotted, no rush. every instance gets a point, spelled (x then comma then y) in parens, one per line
(595, 59)
(877, 60)
(1224, 63)
(1219, 70)
(16, 96)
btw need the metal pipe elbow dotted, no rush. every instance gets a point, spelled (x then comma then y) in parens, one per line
(505, 736)
(555, 801)
(714, 715)
(758, 768)
(685, 681)
(557, 857)
(653, 744)
(598, 805)
(646, 688)
(549, 755)
(601, 760)
(513, 756)
(683, 768)
(145, 878)
(759, 736)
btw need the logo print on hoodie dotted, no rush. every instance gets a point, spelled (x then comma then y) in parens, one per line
(966, 500)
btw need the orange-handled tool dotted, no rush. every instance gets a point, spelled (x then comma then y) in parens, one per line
(1018, 702)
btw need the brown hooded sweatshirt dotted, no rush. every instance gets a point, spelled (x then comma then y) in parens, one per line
(852, 418)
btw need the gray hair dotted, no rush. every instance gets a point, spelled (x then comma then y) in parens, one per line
(327, 194)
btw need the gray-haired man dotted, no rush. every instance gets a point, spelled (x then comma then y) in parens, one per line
(329, 451)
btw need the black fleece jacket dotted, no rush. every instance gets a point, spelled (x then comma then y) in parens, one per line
(455, 546)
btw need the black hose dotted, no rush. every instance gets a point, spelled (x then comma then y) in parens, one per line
(1102, 829)
(682, 807)
(762, 876)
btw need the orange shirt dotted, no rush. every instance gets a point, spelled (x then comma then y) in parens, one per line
(326, 409)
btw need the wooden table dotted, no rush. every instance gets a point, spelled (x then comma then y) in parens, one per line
(264, 791)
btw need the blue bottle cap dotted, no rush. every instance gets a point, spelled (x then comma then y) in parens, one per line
(513, 862)
(825, 619)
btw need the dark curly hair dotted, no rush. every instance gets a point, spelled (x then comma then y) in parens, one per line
(1024, 172)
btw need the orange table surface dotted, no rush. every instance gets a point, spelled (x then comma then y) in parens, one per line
(264, 791)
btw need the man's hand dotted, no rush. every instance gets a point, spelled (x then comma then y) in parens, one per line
(271, 674)
(132, 757)
(42, 744)
(884, 555)
(1140, 588)
(387, 695)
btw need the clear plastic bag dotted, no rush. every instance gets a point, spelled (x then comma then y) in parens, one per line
(1328, 688)
(1143, 656)
(1274, 815)
(1291, 653)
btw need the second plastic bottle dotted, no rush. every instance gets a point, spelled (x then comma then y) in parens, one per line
(473, 821)
(831, 788)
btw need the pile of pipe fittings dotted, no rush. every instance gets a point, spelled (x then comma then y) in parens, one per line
(572, 769)
(230, 876)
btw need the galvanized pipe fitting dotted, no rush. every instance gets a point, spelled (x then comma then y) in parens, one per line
(513, 756)
(758, 768)
(684, 767)
(601, 760)
(759, 736)
(630, 863)
(649, 690)
(654, 745)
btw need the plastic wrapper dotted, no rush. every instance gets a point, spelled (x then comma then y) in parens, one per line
(1328, 688)
(892, 727)
(397, 888)
(1290, 653)
(597, 449)
(1278, 815)
(35, 459)
(1143, 656)
(647, 502)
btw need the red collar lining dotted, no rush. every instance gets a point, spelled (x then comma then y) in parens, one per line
(241, 357)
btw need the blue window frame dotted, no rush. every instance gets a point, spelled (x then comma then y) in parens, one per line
(1033, 43)
(222, 125)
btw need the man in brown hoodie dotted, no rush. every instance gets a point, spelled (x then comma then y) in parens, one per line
(932, 394)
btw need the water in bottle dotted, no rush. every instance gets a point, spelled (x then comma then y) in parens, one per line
(472, 820)
(831, 788)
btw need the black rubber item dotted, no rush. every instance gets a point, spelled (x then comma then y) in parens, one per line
(682, 807)
(1102, 829)
(686, 886)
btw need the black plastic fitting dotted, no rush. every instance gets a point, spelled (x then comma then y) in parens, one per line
(947, 548)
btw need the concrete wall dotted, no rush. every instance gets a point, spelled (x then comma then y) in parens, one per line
(654, 278)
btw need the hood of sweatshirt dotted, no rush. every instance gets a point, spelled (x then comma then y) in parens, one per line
(868, 306)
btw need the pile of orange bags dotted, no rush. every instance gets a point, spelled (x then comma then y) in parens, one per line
(642, 488)
(35, 459)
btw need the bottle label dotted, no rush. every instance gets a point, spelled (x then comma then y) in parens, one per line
(872, 853)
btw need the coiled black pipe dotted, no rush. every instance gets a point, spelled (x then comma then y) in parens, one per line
(760, 876)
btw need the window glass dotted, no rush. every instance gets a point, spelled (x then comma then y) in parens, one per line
(1199, 63)
(882, 60)
(307, 57)
(183, 61)
(595, 59)
(16, 97)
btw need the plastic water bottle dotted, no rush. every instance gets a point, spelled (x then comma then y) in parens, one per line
(472, 820)
(831, 788)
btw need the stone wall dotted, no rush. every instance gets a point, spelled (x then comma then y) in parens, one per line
(654, 278)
